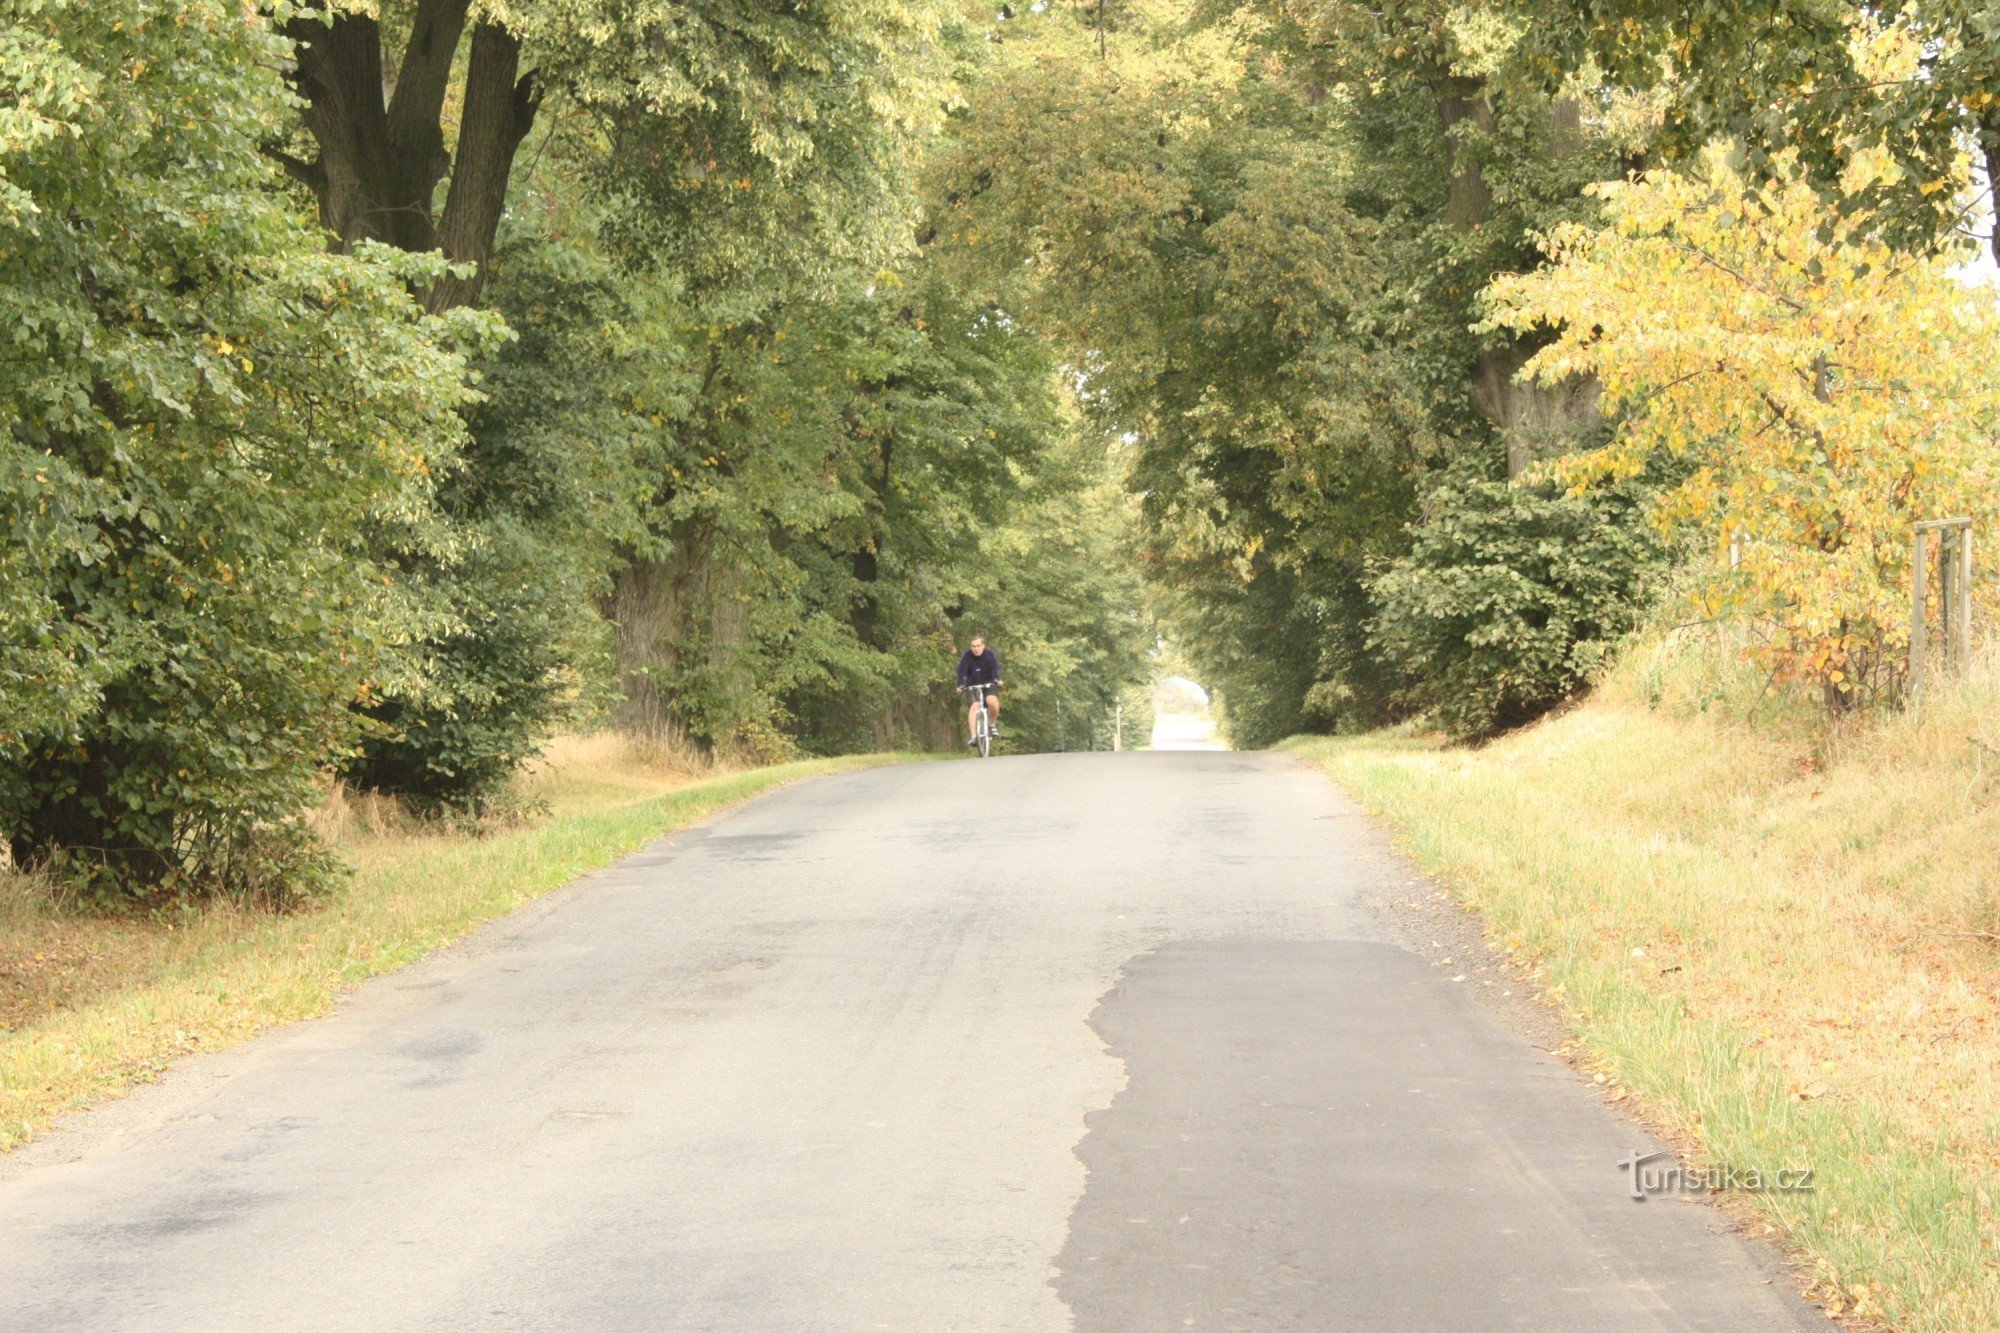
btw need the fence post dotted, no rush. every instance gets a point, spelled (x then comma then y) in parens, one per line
(1914, 686)
(1947, 577)
(1965, 595)
(1954, 574)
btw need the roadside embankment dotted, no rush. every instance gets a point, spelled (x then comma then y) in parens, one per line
(1779, 943)
(91, 1002)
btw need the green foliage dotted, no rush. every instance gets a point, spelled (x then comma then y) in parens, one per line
(1803, 88)
(549, 486)
(854, 479)
(774, 152)
(1263, 236)
(1512, 596)
(206, 414)
(719, 183)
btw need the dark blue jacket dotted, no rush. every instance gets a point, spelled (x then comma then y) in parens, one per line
(981, 670)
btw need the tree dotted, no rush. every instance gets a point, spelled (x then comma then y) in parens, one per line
(717, 157)
(208, 418)
(1798, 88)
(1260, 235)
(1824, 389)
(1513, 596)
(697, 101)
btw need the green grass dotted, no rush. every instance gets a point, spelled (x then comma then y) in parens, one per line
(1775, 945)
(115, 1000)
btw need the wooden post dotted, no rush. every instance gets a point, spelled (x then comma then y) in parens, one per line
(1914, 686)
(1954, 575)
(1947, 581)
(1118, 728)
(1965, 595)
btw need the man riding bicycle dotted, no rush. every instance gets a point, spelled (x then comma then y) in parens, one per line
(980, 665)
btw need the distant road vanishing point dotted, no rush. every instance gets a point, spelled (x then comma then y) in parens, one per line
(1185, 731)
(1093, 1041)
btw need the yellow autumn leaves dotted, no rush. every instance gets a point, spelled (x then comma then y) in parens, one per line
(1814, 390)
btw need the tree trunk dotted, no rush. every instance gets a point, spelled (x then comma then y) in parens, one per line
(685, 616)
(651, 603)
(500, 105)
(1533, 420)
(864, 615)
(1989, 152)
(381, 144)
(1462, 101)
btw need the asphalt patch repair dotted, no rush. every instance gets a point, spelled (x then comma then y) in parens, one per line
(1322, 1135)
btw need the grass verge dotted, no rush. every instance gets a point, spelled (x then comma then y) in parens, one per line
(1779, 945)
(91, 1003)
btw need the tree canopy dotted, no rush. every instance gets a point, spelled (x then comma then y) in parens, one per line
(393, 385)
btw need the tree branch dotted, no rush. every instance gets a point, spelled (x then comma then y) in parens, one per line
(312, 174)
(424, 78)
(500, 107)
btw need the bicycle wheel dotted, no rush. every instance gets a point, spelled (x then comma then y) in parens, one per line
(985, 736)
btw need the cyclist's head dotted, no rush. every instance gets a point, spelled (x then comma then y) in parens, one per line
(978, 643)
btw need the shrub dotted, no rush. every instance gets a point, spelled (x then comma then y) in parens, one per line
(1511, 595)
(205, 411)
(514, 644)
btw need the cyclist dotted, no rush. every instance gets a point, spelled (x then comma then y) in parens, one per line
(980, 665)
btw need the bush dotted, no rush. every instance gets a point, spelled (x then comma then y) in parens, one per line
(205, 411)
(1511, 596)
(514, 644)
(505, 668)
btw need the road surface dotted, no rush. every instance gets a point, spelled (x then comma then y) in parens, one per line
(1093, 1041)
(1185, 731)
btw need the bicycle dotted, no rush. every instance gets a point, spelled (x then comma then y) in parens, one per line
(982, 730)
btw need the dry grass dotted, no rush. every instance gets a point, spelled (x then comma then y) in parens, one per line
(1779, 941)
(90, 1002)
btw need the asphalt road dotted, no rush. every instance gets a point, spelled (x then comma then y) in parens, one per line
(1185, 731)
(1094, 1041)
